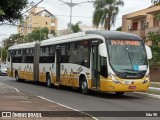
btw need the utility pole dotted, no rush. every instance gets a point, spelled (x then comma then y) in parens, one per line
(71, 5)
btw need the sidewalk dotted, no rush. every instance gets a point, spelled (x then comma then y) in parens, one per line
(155, 86)
(12, 100)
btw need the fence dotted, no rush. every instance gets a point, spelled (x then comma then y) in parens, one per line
(155, 74)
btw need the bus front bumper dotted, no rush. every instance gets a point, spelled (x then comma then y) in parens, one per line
(109, 86)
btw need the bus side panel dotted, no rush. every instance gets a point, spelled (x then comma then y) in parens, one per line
(44, 68)
(70, 74)
(25, 70)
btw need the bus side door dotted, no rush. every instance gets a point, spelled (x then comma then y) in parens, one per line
(95, 63)
(58, 64)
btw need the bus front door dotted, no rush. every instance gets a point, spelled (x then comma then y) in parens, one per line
(95, 64)
(58, 65)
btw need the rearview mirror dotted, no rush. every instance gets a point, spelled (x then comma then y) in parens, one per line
(149, 52)
(102, 50)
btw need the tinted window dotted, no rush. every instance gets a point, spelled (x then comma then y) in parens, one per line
(47, 54)
(76, 52)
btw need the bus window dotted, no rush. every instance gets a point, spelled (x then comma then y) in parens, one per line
(103, 66)
(47, 54)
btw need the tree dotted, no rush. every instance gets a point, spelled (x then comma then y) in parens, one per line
(155, 2)
(155, 38)
(37, 34)
(119, 28)
(75, 27)
(12, 40)
(10, 10)
(4, 54)
(105, 12)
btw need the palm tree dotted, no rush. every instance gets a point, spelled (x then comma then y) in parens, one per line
(105, 12)
(75, 27)
(155, 2)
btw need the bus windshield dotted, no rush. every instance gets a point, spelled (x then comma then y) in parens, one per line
(127, 56)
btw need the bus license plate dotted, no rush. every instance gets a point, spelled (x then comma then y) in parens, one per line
(132, 87)
(127, 82)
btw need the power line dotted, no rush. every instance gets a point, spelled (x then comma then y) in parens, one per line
(32, 7)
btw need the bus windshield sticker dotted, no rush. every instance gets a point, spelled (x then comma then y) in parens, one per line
(135, 67)
(125, 42)
(142, 67)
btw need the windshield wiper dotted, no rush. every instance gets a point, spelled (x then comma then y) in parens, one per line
(130, 59)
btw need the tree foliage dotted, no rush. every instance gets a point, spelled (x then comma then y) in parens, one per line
(155, 38)
(12, 40)
(105, 12)
(4, 54)
(35, 35)
(10, 10)
(119, 28)
(38, 34)
(75, 27)
(155, 2)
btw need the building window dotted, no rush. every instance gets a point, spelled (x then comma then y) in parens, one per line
(156, 21)
(46, 23)
(135, 26)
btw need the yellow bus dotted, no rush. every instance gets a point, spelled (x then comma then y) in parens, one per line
(108, 61)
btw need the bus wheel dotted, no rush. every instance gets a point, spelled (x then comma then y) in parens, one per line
(48, 81)
(119, 93)
(84, 86)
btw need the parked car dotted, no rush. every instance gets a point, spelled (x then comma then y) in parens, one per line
(3, 69)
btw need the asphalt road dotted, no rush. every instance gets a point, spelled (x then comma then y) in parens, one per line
(92, 102)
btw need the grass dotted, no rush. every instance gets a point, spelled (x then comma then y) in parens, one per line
(156, 92)
(155, 85)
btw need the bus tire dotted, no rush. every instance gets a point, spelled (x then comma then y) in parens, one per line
(48, 81)
(17, 77)
(120, 93)
(84, 86)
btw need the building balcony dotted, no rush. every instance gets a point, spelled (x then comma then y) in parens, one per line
(152, 29)
(140, 33)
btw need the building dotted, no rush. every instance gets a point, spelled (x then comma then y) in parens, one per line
(82, 27)
(64, 32)
(38, 18)
(142, 22)
(85, 28)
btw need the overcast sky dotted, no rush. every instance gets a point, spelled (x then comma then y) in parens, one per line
(81, 13)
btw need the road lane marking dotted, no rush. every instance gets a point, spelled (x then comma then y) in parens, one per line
(11, 87)
(66, 106)
(149, 95)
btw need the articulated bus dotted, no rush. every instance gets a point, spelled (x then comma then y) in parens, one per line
(107, 61)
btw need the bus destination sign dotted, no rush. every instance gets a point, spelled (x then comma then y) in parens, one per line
(125, 42)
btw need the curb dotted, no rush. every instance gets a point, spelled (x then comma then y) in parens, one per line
(154, 88)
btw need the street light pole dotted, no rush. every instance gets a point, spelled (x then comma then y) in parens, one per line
(70, 16)
(71, 5)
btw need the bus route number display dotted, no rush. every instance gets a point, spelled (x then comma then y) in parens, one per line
(125, 42)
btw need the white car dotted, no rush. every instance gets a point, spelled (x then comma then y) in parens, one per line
(3, 69)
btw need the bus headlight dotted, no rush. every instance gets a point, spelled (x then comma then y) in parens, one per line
(147, 78)
(114, 79)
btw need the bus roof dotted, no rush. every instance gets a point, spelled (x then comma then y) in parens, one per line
(82, 35)
(24, 45)
(114, 35)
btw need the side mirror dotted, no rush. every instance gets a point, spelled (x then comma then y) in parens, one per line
(102, 50)
(149, 52)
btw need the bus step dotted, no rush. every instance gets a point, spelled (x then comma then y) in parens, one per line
(94, 88)
(56, 84)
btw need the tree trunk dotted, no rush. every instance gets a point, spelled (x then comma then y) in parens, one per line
(109, 23)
